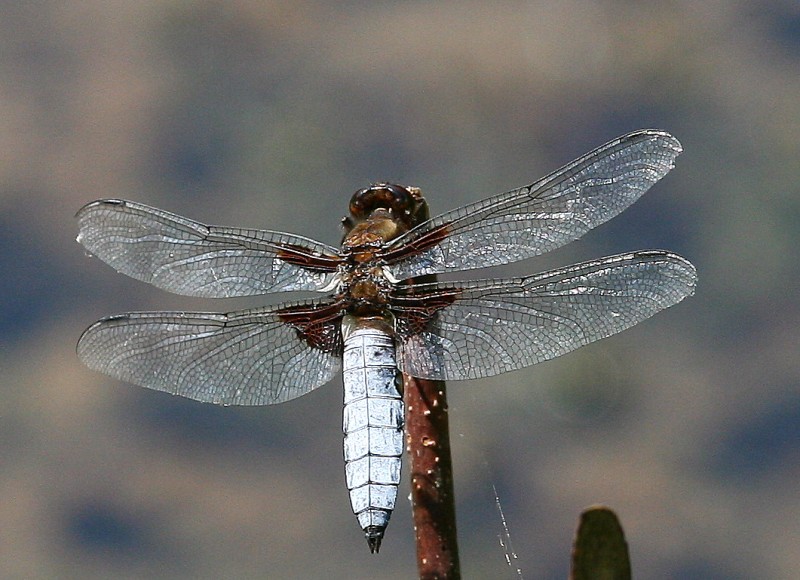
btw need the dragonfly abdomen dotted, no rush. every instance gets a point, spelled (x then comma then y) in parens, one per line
(373, 424)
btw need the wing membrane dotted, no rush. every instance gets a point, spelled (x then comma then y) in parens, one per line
(495, 326)
(250, 357)
(186, 257)
(540, 217)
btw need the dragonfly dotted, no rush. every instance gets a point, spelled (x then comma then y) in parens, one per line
(381, 315)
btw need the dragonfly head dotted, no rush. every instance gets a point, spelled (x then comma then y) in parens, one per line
(398, 201)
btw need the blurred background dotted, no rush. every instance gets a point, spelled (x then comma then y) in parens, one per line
(269, 115)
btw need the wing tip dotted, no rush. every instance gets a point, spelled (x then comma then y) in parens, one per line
(83, 340)
(668, 139)
(92, 205)
(687, 270)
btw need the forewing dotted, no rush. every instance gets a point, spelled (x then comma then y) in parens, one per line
(252, 357)
(484, 328)
(539, 217)
(193, 259)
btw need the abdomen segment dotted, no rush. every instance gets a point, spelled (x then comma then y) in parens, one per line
(373, 425)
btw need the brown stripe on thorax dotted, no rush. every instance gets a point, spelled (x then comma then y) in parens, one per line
(417, 245)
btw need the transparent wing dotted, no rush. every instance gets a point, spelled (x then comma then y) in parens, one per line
(252, 357)
(193, 259)
(539, 217)
(488, 327)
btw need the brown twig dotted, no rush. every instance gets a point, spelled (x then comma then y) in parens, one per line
(432, 497)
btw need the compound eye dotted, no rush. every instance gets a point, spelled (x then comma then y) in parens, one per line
(395, 198)
(360, 203)
(401, 198)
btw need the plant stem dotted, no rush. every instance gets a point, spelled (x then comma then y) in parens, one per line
(432, 497)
